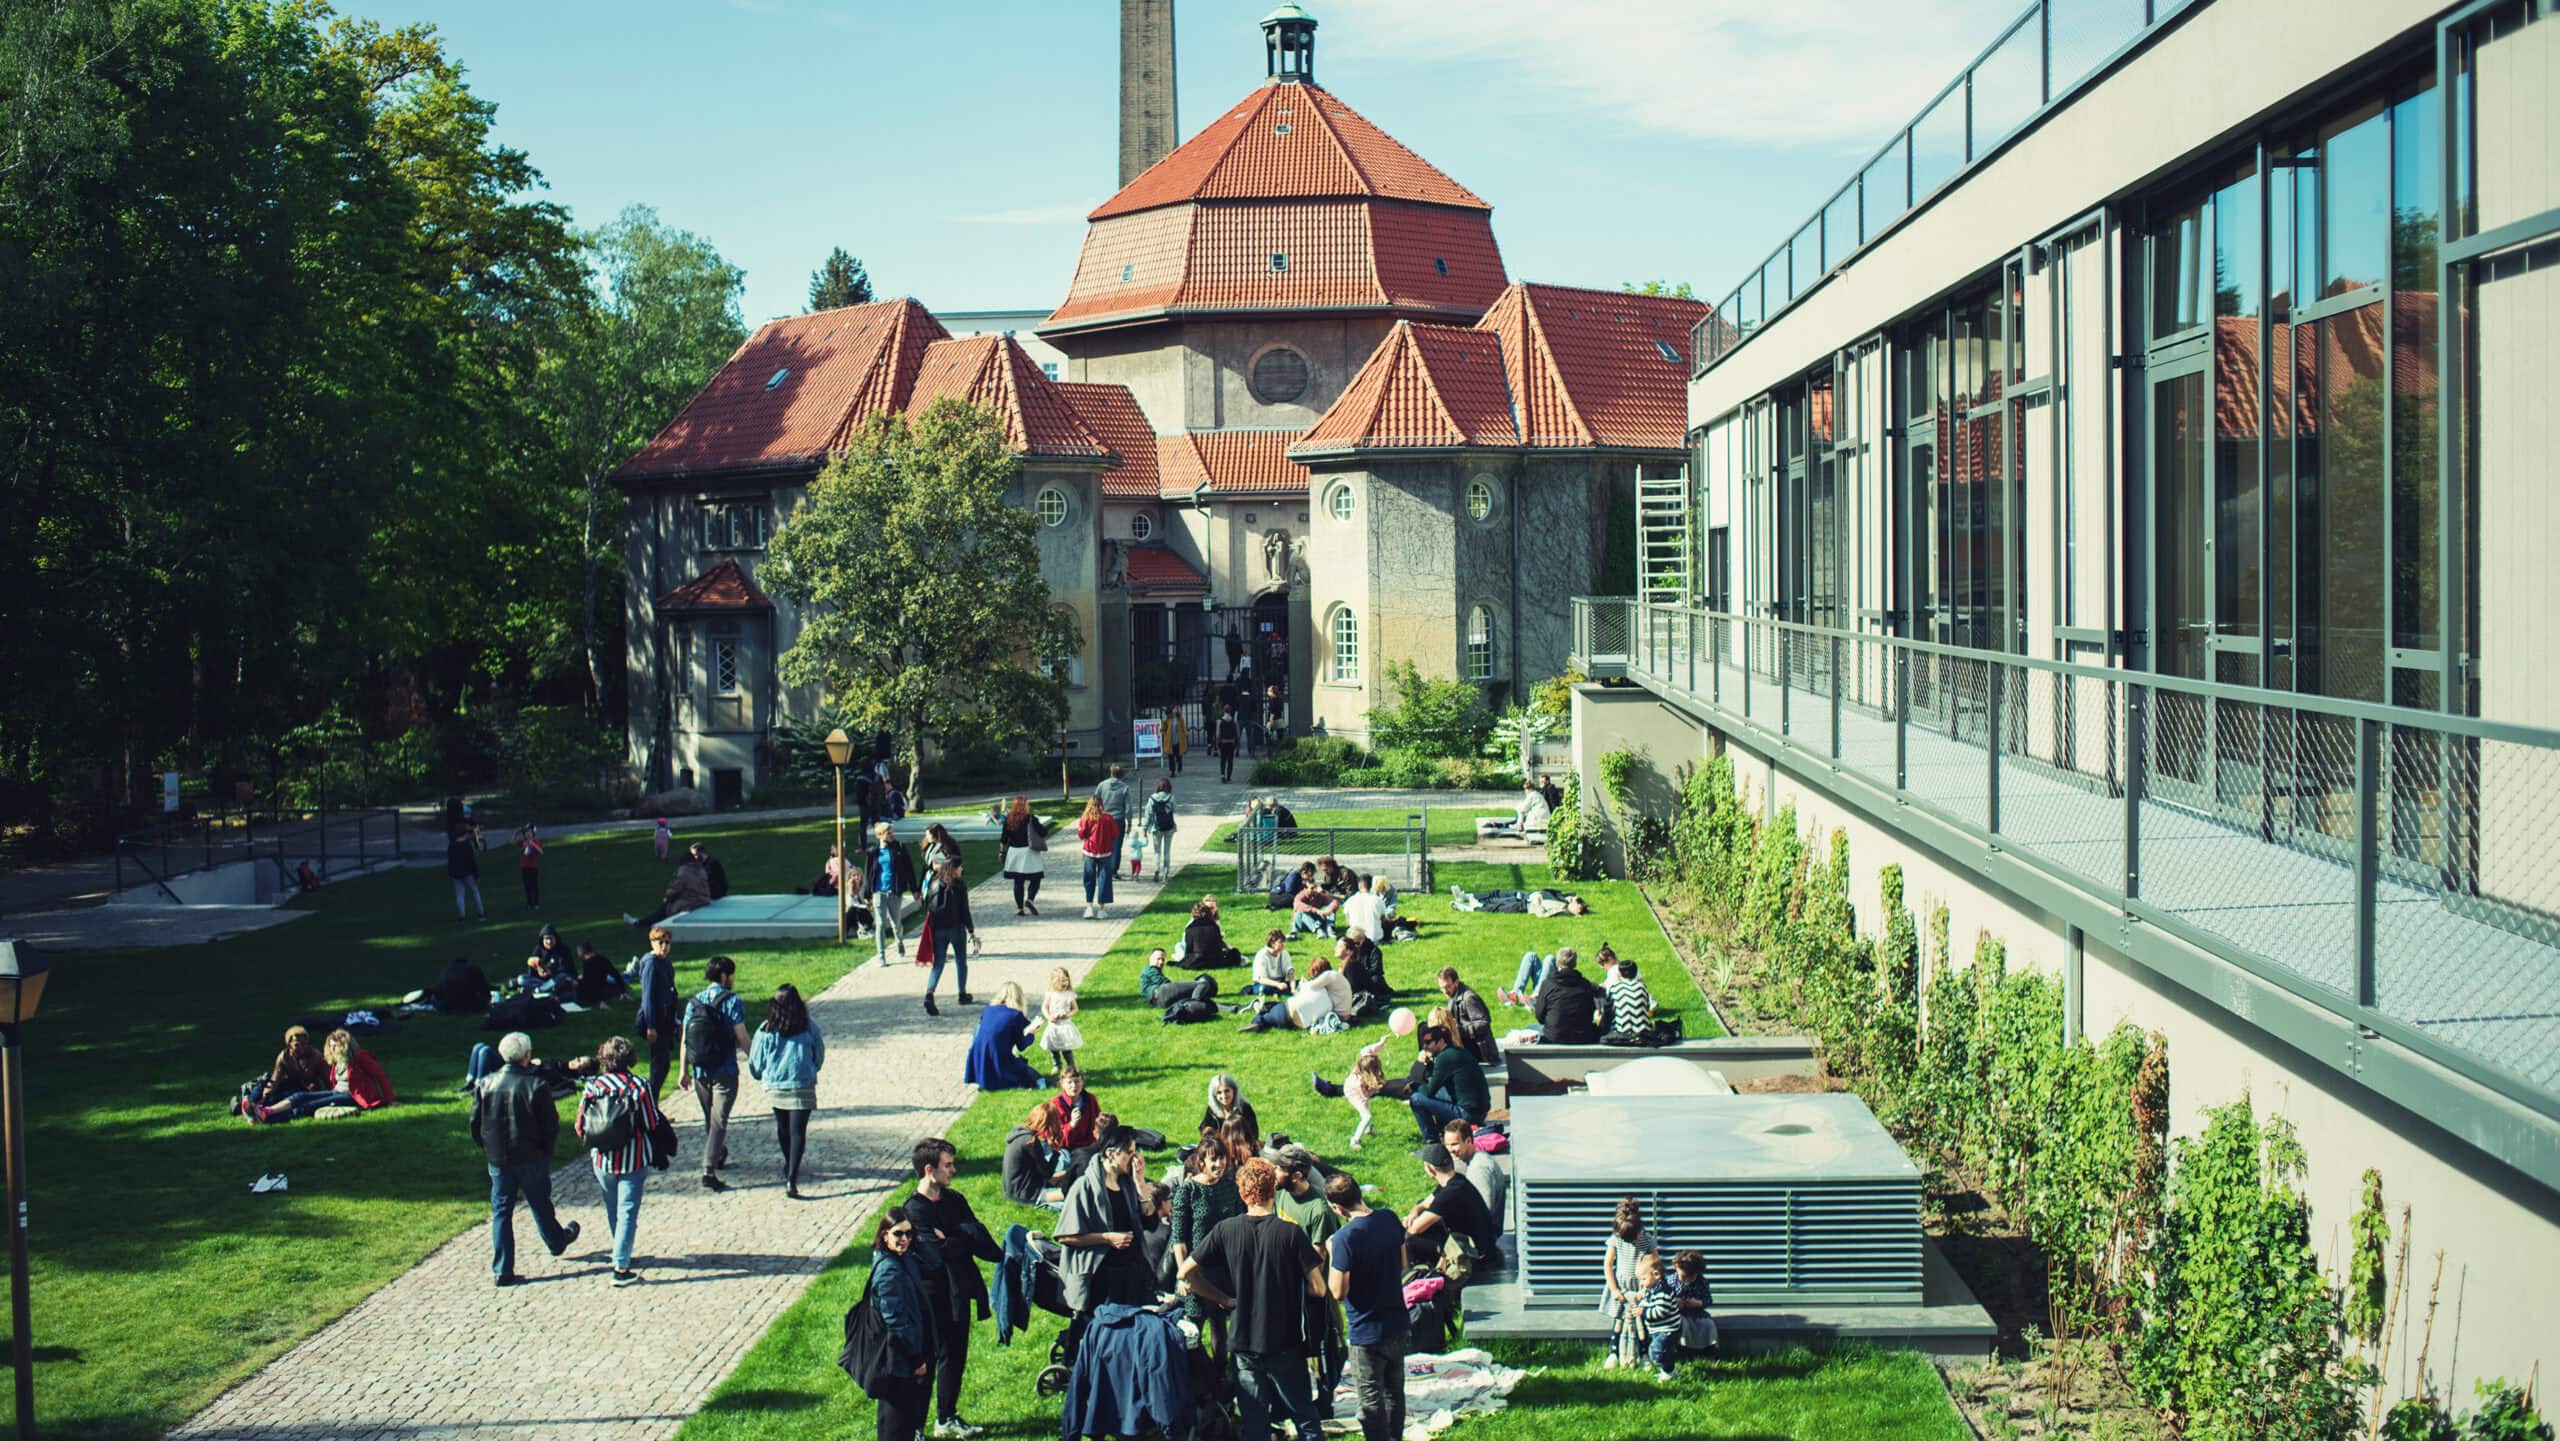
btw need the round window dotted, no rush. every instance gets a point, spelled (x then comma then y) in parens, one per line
(1479, 498)
(1279, 376)
(1142, 525)
(1052, 506)
(1340, 501)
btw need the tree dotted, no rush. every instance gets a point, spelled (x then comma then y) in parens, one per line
(663, 316)
(1677, 290)
(924, 610)
(840, 282)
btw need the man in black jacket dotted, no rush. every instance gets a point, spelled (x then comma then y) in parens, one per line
(714, 875)
(946, 1227)
(516, 1120)
(1568, 1005)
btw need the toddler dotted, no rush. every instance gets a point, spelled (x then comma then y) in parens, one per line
(1059, 1036)
(665, 834)
(1675, 1304)
(1631, 1335)
(1368, 1080)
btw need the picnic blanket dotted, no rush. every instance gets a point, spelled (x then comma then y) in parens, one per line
(1438, 1392)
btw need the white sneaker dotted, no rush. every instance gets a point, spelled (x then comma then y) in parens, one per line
(1661, 1375)
(956, 1429)
(1088, 913)
(1609, 1362)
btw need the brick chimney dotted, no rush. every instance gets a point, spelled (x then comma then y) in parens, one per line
(1148, 129)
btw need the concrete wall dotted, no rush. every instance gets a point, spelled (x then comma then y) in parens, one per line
(1195, 374)
(1070, 560)
(2499, 1230)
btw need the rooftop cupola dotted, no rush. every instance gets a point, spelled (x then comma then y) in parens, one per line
(1289, 43)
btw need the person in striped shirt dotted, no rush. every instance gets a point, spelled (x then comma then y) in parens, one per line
(1630, 1004)
(623, 1170)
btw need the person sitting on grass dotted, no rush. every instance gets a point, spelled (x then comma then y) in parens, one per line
(1274, 974)
(1455, 1088)
(298, 1067)
(356, 1079)
(689, 890)
(1321, 995)
(1035, 1157)
(1568, 1005)
(1364, 970)
(1204, 944)
(1227, 1105)
(1311, 910)
(1078, 1114)
(1367, 908)
(598, 982)
(1338, 880)
(460, 989)
(1627, 1003)
(995, 1060)
(550, 970)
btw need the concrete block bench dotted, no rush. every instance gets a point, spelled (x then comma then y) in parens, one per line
(1738, 1059)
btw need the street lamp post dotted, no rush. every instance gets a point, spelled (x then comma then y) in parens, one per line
(22, 976)
(839, 753)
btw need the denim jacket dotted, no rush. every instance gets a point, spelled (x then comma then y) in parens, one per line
(787, 1063)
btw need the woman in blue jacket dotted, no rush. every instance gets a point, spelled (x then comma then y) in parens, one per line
(785, 1056)
(995, 1053)
(898, 1294)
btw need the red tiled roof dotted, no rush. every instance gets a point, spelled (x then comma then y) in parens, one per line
(1424, 387)
(992, 371)
(1341, 254)
(793, 392)
(722, 587)
(1578, 369)
(1154, 568)
(1111, 413)
(2349, 352)
(1230, 462)
(1288, 141)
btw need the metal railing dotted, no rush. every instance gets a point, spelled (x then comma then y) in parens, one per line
(1600, 636)
(1401, 851)
(182, 845)
(2039, 57)
(2389, 865)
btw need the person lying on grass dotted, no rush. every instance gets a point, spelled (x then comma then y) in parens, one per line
(1324, 993)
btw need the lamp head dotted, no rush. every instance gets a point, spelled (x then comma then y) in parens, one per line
(22, 977)
(839, 747)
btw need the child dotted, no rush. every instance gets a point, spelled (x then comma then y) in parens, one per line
(1633, 1338)
(529, 865)
(1675, 1310)
(1059, 1036)
(665, 836)
(1368, 1079)
(1626, 1247)
(1630, 1004)
(1273, 973)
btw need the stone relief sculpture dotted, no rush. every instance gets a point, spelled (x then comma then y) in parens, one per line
(1277, 554)
(1115, 565)
(1298, 561)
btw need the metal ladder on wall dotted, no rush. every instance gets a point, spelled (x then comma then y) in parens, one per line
(1665, 552)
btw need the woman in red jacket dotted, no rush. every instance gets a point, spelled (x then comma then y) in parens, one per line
(1100, 835)
(357, 1080)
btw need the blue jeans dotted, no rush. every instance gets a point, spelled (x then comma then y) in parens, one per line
(622, 1207)
(470, 885)
(1097, 877)
(531, 1179)
(1663, 1348)
(1309, 923)
(1430, 1113)
(303, 1103)
(1533, 969)
(953, 946)
(1275, 1015)
(1269, 1383)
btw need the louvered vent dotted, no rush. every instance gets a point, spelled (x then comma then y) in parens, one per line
(1801, 1199)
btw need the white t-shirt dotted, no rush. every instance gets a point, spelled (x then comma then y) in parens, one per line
(1271, 966)
(1368, 912)
(1309, 1005)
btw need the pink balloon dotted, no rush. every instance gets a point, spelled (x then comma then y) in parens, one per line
(1401, 1022)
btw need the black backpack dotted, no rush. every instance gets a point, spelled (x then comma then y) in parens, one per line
(608, 1120)
(1160, 812)
(709, 1043)
(1191, 1012)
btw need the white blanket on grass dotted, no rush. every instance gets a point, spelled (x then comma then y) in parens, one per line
(1438, 1392)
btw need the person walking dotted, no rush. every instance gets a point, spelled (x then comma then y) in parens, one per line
(1119, 803)
(1364, 1261)
(1275, 718)
(653, 977)
(900, 1293)
(1276, 1277)
(1228, 739)
(1098, 836)
(786, 1056)
(715, 1031)
(1177, 738)
(617, 1116)
(947, 1228)
(517, 1122)
(888, 877)
(1160, 827)
(529, 865)
(462, 867)
(1025, 842)
(946, 908)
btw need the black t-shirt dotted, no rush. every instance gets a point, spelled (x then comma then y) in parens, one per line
(1266, 1260)
(1370, 1250)
(1462, 1210)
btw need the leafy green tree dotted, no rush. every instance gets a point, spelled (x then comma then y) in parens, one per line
(840, 282)
(923, 608)
(1430, 717)
(1677, 289)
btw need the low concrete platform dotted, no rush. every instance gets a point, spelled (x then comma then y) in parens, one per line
(1948, 1323)
(1738, 1059)
(737, 917)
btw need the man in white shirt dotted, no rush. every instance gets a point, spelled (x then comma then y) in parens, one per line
(1482, 1171)
(1367, 910)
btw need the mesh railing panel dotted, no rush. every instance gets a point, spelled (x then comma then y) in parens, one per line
(1398, 852)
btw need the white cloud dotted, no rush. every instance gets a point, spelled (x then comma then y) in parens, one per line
(1026, 215)
(1841, 74)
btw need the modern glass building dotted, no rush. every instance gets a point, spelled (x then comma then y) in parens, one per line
(2130, 503)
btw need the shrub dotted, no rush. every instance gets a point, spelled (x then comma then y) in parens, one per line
(1572, 849)
(1410, 769)
(331, 762)
(1313, 761)
(1429, 717)
(1768, 900)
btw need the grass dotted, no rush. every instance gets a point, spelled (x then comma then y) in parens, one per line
(787, 1385)
(1450, 825)
(158, 1278)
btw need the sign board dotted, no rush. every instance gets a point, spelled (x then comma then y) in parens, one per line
(1150, 739)
(169, 791)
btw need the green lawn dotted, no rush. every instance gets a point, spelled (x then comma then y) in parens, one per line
(158, 1278)
(787, 1386)
(1453, 824)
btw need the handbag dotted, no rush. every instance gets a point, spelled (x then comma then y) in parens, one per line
(663, 1145)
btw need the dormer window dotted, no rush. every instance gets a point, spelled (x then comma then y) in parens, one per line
(1279, 262)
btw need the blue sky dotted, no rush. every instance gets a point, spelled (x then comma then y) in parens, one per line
(954, 145)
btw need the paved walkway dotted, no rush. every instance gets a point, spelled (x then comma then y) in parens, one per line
(438, 1352)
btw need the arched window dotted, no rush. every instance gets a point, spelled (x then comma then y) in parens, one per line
(1480, 643)
(1344, 627)
(1341, 501)
(1142, 526)
(1052, 506)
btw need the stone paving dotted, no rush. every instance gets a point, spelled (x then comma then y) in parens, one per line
(439, 1352)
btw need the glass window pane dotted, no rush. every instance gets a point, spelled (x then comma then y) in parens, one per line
(1840, 227)
(2086, 32)
(2176, 258)
(1937, 144)
(2007, 86)
(2355, 167)
(2236, 289)
(2339, 471)
(2515, 77)
(2416, 170)
(1886, 192)
(1807, 251)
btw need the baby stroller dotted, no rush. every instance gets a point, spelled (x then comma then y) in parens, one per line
(1212, 1393)
(1049, 1293)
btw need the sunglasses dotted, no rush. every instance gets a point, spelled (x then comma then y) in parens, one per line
(902, 1233)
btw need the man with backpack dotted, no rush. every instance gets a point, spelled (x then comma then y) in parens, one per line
(516, 1120)
(715, 1032)
(1228, 738)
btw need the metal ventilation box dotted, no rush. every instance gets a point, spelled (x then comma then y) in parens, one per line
(1793, 1199)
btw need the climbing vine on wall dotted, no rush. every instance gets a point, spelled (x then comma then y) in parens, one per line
(1572, 850)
